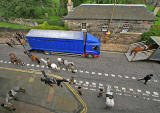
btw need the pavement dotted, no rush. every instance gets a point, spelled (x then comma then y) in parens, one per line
(39, 97)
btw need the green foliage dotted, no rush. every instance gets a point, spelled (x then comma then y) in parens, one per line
(154, 31)
(150, 8)
(4, 24)
(45, 25)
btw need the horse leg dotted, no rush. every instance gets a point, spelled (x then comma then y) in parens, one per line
(134, 55)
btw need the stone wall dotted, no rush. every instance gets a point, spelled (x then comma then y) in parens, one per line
(20, 21)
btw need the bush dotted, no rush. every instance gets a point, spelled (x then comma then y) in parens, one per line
(45, 25)
(154, 31)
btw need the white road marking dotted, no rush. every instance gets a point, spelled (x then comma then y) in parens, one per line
(148, 92)
(28, 64)
(100, 84)
(93, 89)
(113, 75)
(99, 73)
(87, 82)
(133, 78)
(63, 69)
(145, 94)
(124, 89)
(155, 80)
(93, 73)
(32, 65)
(86, 72)
(119, 93)
(119, 76)
(156, 100)
(42, 66)
(9, 62)
(46, 66)
(105, 74)
(93, 83)
(127, 95)
(5, 62)
(131, 89)
(37, 65)
(138, 90)
(116, 87)
(1, 60)
(85, 87)
(81, 71)
(81, 82)
(126, 76)
(155, 93)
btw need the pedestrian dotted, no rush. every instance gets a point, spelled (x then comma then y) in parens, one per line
(79, 90)
(48, 63)
(71, 80)
(146, 78)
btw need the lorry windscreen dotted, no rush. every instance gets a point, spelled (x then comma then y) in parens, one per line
(95, 47)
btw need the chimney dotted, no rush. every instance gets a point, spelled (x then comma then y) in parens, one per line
(69, 5)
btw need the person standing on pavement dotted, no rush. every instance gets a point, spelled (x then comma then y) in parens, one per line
(146, 78)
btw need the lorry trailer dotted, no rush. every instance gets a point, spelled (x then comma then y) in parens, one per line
(53, 41)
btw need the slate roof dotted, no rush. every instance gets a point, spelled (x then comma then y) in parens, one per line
(104, 11)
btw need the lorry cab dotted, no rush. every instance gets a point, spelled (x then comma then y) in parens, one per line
(92, 46)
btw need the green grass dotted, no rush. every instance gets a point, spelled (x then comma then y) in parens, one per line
(4, 24)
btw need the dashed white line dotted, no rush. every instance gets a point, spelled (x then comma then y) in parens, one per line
(87, 72)
(5, 62)
(138, 90)
(156, 100)
(126, 76)
(81, 71)
(9, 62)
(131, 89)
(133, 78)
(155, 80)
(116, 87)
(100, 84)
(37, 65)
(32, 65)
(28, 64)
(42, 66)
(99, 73)
(1, 60)
(119, 76)
(63, 69)
(156, 93)
(113, 75)
(92, 89)
(148, 92)
(105, 74)
(93, 73)
(85, 87)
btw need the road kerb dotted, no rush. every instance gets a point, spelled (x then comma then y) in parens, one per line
(59, 77)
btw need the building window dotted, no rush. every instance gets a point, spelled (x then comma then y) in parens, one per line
(105, 28)
(84, 26)
(125, 28)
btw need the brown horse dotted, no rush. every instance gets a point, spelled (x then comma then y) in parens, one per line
(32, 57)
(143, 48)
(16, 60)
(10, 42)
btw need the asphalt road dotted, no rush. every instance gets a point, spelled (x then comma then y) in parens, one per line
(113, 69)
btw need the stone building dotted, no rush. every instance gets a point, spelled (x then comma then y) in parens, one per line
(96, 18)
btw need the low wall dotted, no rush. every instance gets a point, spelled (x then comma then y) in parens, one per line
(20, 21)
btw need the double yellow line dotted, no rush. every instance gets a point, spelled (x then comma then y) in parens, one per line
(67, 84)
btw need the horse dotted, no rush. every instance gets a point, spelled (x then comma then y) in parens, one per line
(32, 57)
(10, 42)
(16, 60)
(67, 64)
(142, 48)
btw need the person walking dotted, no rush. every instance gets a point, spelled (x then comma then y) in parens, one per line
(146, 78)
(48, 63)
(79, 90)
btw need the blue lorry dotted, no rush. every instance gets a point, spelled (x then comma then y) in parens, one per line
(54, 41)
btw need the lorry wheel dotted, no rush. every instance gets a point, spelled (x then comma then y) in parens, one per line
(47, 52)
